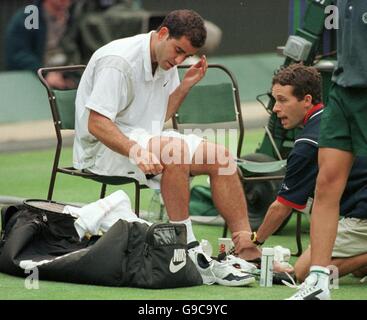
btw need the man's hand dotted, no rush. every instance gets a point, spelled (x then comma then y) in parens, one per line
(195, 73)
(145, 160)
(242, 240)
(109, 134)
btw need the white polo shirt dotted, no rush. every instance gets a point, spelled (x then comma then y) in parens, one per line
(118, 83)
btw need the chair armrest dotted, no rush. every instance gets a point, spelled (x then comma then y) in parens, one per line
(250, 167)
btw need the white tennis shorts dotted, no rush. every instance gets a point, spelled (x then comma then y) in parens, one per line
(110, 163)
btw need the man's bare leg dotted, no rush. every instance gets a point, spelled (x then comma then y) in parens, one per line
(175, 188)
(228, 195)
(302, 266)
(334, 168)
(227, 191)
(345, 266)
(361, 272)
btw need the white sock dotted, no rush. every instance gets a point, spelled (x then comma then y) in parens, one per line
(189, 231)
(322, 275)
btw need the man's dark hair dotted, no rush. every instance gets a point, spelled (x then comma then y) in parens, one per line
(304, 80)
(186, 23)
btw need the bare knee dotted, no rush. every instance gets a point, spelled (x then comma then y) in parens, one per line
(221, 161)
(175, 153)
(325, 178)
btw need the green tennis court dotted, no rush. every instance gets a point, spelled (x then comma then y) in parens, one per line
(27, 175)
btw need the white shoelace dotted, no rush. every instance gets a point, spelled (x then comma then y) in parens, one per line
(303, 289)
(293, 283)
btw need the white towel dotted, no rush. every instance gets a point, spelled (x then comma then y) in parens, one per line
(102, 214)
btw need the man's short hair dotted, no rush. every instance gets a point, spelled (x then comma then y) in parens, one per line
(304, 80)
(185, 23)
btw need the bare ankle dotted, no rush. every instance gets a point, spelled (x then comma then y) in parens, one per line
(250, 254)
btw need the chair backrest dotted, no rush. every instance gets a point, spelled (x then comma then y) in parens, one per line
(208, 104)
(65, 107)
(215, 99)
(62, 102)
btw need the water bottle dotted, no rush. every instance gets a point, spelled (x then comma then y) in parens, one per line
(281, 255)
(207, 247)
(156, 209)
(266, 275)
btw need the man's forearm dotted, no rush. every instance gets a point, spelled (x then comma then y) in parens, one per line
(109, 134)
(175, 100)
(275, 216)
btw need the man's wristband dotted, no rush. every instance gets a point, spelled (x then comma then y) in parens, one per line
(254, 239)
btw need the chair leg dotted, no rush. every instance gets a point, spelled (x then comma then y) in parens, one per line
(225, 230)
(137, 198)
(299, 234)
(52, 185)
(103, 191)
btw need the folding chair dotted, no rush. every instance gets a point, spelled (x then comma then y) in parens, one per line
(214, 102)
(62, 103)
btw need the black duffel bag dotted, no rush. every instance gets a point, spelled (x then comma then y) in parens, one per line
(38, 235)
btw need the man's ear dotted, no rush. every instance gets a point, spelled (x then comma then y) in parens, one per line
(308, 99)
(163, 33)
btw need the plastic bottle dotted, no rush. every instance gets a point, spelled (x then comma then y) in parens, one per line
(156, 209)
(207, 247)
(281, 254)
(266, 276)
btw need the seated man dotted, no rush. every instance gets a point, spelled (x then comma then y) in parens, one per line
(297, 91)
(128, 90)
(30, 47)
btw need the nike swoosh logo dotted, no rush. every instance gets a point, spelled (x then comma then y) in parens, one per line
(176, 267)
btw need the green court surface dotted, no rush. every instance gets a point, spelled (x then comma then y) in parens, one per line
(27, 174)
(14, 288)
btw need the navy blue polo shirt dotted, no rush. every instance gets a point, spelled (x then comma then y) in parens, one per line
(354, 200)
(302, 169)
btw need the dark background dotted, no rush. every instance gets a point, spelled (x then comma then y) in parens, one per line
(248, 26)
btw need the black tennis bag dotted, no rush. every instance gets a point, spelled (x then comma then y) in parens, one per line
(130, 254)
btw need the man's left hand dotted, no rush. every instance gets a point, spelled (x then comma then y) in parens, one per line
(195, 73)
(242, 240)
